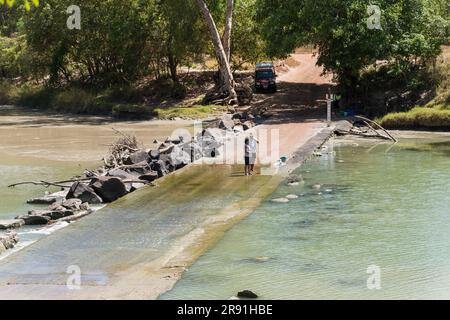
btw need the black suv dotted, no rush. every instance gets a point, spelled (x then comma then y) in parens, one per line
(265, 77)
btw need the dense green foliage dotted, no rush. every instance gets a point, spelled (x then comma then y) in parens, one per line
(411, 33)
(119, 41)
(418, 118)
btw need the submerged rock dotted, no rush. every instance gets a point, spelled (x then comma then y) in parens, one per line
(316, 186)
(247, 294)
(294, 178)
(292, 196)
(108, 188)
(84, 193)
(280, 200)
(49, 199)
(11, 224)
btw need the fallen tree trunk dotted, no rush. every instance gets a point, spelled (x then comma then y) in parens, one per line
(379, 126)
(59, 184)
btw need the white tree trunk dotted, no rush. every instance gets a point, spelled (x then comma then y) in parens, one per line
(228, 29)
(224, 65)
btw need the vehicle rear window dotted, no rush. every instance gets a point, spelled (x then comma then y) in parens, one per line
(264, 74)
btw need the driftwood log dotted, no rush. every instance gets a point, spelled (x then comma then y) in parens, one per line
(60, 183)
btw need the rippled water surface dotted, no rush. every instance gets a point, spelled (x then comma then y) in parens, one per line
(38, 146)
(379, 204)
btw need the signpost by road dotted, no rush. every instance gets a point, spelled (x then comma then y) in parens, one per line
(329, 103)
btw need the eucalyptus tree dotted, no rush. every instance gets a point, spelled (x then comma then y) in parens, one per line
(228, 86)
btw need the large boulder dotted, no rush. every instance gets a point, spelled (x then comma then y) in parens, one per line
(84, 193)
(11, 224)
(109, 188)
(137, 157)
(180, 158)
(169, 163)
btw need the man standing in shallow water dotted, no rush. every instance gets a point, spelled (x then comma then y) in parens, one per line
(253, 146)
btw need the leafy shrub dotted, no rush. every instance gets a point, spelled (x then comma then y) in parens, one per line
(418, 118)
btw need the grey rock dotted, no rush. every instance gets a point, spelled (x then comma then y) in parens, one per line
(247, 125)
(293, 178)
(2, 248)
(154, 154)
(118, 173)
(237, 116)
(108, 188)
(34, 220)
(160, 167)
(166, 150)
(180, 158)
(226, 124)
(136, 186)
(84, 206)
(150, 177)
(8, 241)
(238, 129)
(84, 193)
(73, 204)
(57, 206)
(11, 224)
(247, 294)
(137, 157)
(49, 199)
(52, 215)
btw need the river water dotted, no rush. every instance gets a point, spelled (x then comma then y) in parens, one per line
(38, 146)
(380, 206)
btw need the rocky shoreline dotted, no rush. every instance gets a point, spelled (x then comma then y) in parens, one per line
(127, 168)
